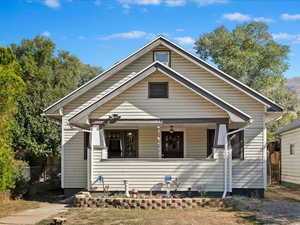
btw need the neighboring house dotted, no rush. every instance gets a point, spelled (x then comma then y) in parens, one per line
(290, 152)
(164, 112)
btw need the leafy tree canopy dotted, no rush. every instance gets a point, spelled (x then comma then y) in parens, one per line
(12, 88)
(250, 54)
(49, 75)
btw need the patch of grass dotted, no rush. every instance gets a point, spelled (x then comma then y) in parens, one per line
(14, 206)
(284, 192)
(290, 186)
(252, 219)
(207, 216)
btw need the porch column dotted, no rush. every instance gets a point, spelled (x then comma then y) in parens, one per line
(158, 140)
(222, 141)
(98, 138)
(103, 146)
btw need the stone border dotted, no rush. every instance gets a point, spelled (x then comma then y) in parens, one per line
(135, 203)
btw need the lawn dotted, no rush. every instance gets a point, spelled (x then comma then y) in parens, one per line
(205, 216)
(12, 206)
(283, 192)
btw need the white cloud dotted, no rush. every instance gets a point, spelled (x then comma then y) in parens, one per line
(127, 35)
(237, 17)
(185, 40)
(52, 3)
(179, 30)
(140, 2)
(208, 2)
(263, 19)
(175, 2)
(295, 38)
(287, 16)
(46, 33)
(172, 3)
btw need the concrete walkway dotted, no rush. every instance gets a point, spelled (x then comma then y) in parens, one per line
(33, 216)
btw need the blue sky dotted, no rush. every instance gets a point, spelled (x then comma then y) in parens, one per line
(102, 32)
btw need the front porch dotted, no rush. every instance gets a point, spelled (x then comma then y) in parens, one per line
(145, 153)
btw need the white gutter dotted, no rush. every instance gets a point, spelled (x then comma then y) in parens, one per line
(228, 158)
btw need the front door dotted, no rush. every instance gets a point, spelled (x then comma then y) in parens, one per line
(172, 144)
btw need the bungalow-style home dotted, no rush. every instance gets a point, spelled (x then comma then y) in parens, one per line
(290, 152)
(163, 114)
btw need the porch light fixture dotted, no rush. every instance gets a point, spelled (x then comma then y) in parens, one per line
(171, 129)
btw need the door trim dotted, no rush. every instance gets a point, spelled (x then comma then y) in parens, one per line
(175, 129)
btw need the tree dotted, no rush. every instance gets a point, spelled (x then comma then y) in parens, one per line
(88, 72)
(49, 75)
(12, 87)
(250, 54)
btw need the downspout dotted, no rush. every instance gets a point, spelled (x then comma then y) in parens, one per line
(228, 160)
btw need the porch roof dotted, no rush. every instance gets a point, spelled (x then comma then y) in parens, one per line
(234, 113)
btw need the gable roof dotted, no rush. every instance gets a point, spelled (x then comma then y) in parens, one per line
(157, 66)
(156, 42)
(292, 126)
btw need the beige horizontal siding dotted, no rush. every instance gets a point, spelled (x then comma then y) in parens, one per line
(145, 173)
(196, 142)
(100, 90)
(290, 165)
(149, 174)
(75, 167)
(181, 103)
(219, 87)
(148, 147)
(253, 136)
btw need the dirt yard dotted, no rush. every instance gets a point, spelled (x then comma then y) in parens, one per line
(154, 217)
(281, 206)
(13, 206)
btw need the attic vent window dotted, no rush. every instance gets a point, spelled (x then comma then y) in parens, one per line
(158, 90)
(162, 56)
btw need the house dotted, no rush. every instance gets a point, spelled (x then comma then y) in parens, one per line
(290, 152)
(163, 112)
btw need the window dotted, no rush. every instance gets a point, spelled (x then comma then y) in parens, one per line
(162, 56)
(158, 90)
(237, 144)
(292, 149)
(210, 142)
(122, 143)
(86, 144)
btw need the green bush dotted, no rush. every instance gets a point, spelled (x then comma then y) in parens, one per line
(6, 168)
(21, 180)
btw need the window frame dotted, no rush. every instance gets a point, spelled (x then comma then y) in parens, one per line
(122, 132)
(169, 53)
(86, 144)
(242, 149)
(292, 149)
(167, 90)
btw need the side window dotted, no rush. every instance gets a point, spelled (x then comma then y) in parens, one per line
(237, 145)
(292, 149)
(86, 144)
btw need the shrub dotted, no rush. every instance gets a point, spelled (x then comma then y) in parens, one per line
(21, 179)
(6, 168)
